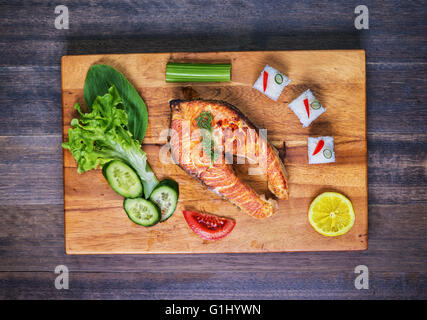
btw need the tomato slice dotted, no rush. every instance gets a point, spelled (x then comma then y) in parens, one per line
(208, 226)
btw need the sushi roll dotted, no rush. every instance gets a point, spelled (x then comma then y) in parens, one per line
(321, 150)
(271, 82)
(307, 108)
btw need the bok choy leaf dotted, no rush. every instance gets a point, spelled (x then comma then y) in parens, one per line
(98, 81)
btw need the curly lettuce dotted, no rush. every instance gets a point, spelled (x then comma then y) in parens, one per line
(102, 135)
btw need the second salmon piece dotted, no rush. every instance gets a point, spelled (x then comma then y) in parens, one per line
(223, 125)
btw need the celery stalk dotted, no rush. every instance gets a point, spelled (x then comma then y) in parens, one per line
(198, 72)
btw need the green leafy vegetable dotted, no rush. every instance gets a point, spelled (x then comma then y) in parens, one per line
(98, 81)
(209, 146)
(101, 135)
(204, 121)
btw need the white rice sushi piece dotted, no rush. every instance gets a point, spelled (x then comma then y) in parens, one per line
(320, 150)
(307, 108)
(273, 84)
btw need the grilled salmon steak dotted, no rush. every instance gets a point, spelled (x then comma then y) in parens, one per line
(227, 132)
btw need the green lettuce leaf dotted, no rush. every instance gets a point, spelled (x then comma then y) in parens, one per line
(101, 135)
(100, 78)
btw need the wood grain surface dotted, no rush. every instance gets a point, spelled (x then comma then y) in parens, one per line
(31, 180)
(95, 221)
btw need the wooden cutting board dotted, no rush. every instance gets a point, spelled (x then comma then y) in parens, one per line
(95, 222)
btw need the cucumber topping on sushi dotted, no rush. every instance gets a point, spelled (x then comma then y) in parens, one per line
(327, 153)
(122, 179)
(165, 196)
(142, 212)
(278, 78)
(315, 105)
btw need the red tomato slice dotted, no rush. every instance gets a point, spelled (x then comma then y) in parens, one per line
(208, 226)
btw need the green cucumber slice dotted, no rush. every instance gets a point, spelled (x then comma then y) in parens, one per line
(327, 153)
(165, 196)
(315, 105)
(142, 211)
(122, 179)
(278, 78)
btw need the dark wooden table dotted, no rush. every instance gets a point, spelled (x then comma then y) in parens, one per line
(31, 196)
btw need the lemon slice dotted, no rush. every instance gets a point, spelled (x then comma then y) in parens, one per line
(331, 214)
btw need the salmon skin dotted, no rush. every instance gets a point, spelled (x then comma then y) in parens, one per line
(230, 132)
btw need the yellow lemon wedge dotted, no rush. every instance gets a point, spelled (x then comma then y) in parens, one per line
(331, 214)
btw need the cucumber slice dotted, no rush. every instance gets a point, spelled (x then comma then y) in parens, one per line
(278, 78)
(315, 105)
(327, 153)
(165, 196)
(142, 212)
(122, 179)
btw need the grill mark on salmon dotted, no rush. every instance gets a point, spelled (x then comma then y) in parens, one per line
(220, 177)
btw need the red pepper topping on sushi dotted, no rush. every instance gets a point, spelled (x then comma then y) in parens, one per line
(265, 79)
(307, 107)
(319, 146)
